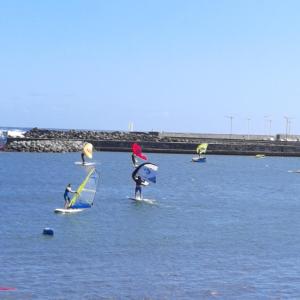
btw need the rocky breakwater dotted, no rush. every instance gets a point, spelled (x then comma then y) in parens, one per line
(89, 135)
(43, 140)
(38, 140)
(44, 146)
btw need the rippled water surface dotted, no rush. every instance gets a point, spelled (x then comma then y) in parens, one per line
(225, 229)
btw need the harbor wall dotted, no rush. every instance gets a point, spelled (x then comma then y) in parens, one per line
(40, 140)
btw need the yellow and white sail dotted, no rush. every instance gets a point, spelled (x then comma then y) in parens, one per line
(88, 150)
(201, 149)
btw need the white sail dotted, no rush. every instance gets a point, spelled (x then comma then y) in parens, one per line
(147, 171)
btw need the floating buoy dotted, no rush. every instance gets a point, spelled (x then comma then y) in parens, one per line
(48, 231)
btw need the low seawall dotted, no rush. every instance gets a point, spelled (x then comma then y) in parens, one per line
(38, 140)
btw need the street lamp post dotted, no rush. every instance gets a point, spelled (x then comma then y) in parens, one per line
(248, 127)
(270, 125)
(231, 118)
(287, 127)
(266, 124)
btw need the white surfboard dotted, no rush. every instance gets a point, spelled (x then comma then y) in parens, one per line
(85, 164)
(294, 171)
(145, 200)
(68, 210)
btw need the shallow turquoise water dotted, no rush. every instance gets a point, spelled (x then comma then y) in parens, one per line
(225, 229)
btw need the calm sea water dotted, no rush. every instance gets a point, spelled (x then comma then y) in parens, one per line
(225, 229)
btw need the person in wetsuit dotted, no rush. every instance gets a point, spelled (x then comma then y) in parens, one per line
(82, 158)
(134, 160)
(138, 186)
(66, 195)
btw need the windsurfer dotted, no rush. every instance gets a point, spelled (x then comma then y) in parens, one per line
(82, 158)
(66, 195)
(138, 186)
(134, 160)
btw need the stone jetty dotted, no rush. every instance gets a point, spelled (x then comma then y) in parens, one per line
(42, 140)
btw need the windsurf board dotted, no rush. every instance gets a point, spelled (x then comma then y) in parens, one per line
(85, 164)
(199, 159)
(294, 171)
(145, 200)
(68, 210)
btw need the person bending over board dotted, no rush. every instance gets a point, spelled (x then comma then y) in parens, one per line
(138, 186)
(66, 195)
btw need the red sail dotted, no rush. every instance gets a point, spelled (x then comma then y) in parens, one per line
(137, 150)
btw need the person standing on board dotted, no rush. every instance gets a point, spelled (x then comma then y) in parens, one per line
(66, 195)
(138, 186)
(82, 158)
(134, 160)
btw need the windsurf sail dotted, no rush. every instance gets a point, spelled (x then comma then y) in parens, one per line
(88, 150)
(137, 151)
(201, 149)
(86, 192)
(147, 171)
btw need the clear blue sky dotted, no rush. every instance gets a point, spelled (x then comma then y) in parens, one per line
(165, 65)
